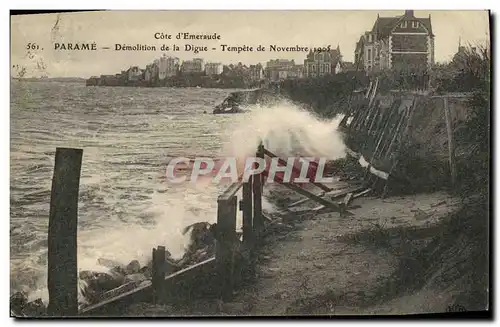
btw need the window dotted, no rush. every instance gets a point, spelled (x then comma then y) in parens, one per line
(369, 38)
(414, 24)
(403, 24)
(369, 54)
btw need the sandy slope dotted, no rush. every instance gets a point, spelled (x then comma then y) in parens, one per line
(308, 268)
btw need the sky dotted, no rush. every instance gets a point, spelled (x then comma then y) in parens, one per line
(236, 28)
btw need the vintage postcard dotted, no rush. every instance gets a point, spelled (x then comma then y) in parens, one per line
(249, 163)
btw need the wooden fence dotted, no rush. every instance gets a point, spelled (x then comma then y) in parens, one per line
(381, 133)
(235, 255)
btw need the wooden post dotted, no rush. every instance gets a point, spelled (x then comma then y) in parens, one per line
(247, 208)
(451, 141)
(394, 109)
(394, 137)
(158, 274)
(224, 253)
(258, 220)
(62, 280)
(248, 235)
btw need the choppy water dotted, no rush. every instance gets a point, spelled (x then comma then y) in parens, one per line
(126, 205)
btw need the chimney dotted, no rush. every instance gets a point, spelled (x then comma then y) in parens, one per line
(409, 13)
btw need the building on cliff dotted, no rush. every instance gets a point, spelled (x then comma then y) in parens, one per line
(196, 65)
(213, 68)
(134, 74)
(256, 73)
(345, 66)
(402, 43)
(148, 75)
(319, 63)
(167, 67)
(279, 69)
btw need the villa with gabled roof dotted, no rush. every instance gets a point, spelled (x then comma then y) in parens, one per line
(402, 43)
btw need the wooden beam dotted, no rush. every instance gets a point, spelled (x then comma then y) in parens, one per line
(143, 292)
(295, 170)
(394, 136)
(258, 221)
(299, 202)
(355, 196)
(226, 229)
(403, 139)
(247, 208)
(62, 280)
(345, 203)
(451, 141)
(231, 190)
(158, 273)
(312, 196)
(379, 142)
(332, 195)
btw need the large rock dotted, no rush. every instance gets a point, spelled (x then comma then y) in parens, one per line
(133, 267)
(18, 301)
(35, 309)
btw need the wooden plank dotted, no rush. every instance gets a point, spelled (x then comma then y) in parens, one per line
(258, 221)
(355, 196)
(394, 136)
(451, 141)
(299, 202)
(348, 198)
(404, 114)
(371, 106)
(391, 113)
(266, 218)
(336, 194)
(226, 229)
(410, 110)
(400, 145)
(375, 118)
(295, 170)
(231, 190)
(247, 208)
(143, 292)
(345, 203)
(312, 196)
(62, 279)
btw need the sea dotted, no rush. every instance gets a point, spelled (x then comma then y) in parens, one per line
(128, 135)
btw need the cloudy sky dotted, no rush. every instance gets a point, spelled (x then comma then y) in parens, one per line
(236, 28)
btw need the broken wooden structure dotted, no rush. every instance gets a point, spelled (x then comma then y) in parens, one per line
(377, 133)
(235, 255)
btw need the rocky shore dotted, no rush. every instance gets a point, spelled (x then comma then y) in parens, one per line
(97, 286)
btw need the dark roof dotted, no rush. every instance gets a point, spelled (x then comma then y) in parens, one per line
(384, 25)
(427, 24)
